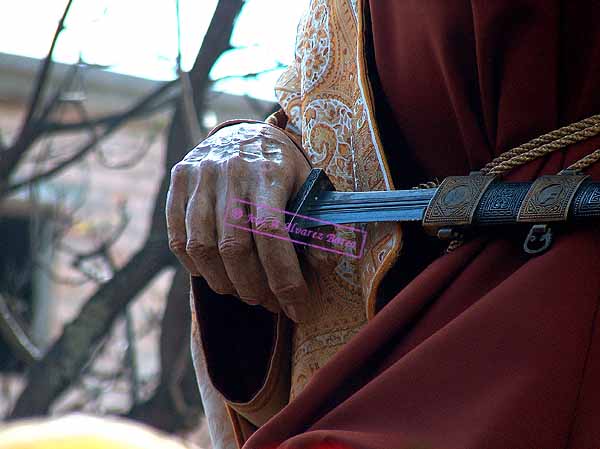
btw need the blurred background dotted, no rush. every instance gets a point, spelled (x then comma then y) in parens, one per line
(98, 100)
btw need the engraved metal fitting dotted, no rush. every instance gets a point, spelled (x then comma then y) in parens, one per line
(449, 234)
(538, 239)
(455, 201)
(549, 198)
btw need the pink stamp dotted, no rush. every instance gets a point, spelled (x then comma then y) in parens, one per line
(260, 219)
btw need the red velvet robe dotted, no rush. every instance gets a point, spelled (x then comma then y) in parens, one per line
(485, 348)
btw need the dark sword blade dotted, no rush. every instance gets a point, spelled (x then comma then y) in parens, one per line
(364, 207)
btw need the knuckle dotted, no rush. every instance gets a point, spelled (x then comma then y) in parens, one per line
(177, 245)
(268, 166)
(271, 224)
(271, 170)
(232, 165)
(178, 171)
(236, 166)
(289, 291)
(200, 250)
(206, 166)
(233, 250)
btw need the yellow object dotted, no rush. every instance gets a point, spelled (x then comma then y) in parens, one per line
(83, 432)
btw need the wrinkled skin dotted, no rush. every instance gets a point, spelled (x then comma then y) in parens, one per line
(258, 163)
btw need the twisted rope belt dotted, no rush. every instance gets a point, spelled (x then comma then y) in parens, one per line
(547, 144)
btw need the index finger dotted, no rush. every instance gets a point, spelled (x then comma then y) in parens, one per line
(175, 211)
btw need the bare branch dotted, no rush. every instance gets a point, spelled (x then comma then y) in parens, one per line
(190, 115)
(132, 358)
(52, 103)
(44, 73)
(175, 403)
(81, 152)
(63, 363)
(251, 75)
(90, 144)
(101, 253)
(216, 41)
(106, 120)
(58, 278)
(135, 156)
(16, 337)
(13, 155)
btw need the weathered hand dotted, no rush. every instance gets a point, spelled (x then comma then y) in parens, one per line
(260, 164)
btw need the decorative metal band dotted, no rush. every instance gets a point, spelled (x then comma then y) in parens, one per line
(456, 200)
(549, 198)
(500, 203)
(587, 201)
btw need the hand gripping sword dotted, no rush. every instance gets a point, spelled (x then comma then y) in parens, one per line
(458, 204)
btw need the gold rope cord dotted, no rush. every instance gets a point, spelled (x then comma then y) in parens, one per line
(586, 161)
(546, 144)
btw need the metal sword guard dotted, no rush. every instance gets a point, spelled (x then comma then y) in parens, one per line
(316, 182)
(454, 204)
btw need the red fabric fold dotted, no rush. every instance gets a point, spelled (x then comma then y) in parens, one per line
(486, 348)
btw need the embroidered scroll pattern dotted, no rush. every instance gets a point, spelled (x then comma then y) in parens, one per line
(313, 49)
(324, 102)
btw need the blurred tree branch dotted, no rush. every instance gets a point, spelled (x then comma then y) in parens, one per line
(175, 403)
(138, 111)
(15, 335)
(190, 113)
(250, 75)
(109, 126)
(13, 154)
(64, 361)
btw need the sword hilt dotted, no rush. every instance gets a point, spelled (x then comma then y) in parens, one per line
(316, 182)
